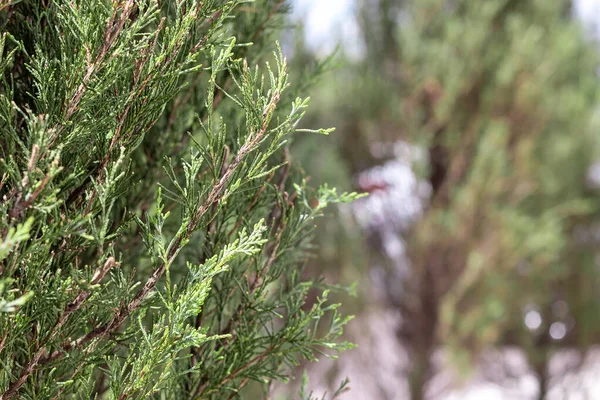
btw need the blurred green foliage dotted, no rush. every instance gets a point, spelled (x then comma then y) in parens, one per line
(502, 95)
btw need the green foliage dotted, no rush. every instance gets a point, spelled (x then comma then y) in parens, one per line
(152, 236)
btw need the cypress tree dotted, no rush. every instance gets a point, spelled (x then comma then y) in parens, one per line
(153, 228)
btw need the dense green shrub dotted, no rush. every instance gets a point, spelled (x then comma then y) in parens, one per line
(153, 229)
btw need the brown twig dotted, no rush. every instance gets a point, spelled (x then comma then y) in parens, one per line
(3, 341)
(235, 373)
(112, 31)
(242, 384)
(21, 206)
(262, 26)
(211, 230)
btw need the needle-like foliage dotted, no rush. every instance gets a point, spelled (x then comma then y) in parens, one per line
(152, 227)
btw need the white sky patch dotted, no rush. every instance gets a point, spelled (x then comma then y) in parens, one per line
(588, 11)
(328, 23)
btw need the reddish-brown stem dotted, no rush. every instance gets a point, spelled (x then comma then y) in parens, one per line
(238, 371)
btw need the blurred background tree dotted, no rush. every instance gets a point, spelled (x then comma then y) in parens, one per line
(491, 104)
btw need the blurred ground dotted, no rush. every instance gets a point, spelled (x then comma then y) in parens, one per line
(373, 369)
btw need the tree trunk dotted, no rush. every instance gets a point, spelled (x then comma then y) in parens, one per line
(540, 368)
(418, 377)
(542, 383)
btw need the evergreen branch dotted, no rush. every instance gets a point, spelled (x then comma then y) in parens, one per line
(83, 79)
(113, 30)
(21, 206)
(70, 309)
(213, 196)
(135, 93)
(219, 94)
(258, 358)
(262, 26)
(274, 247)
(251, 205)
